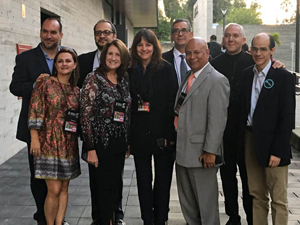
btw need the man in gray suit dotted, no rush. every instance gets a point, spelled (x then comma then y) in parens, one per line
(201, 106)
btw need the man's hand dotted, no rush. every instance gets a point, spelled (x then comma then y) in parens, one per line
(92, 158)
(274, 161)
(208, 159)
(278, 64)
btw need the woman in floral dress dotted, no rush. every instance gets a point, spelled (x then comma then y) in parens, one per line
(105, 105)
(54, 142)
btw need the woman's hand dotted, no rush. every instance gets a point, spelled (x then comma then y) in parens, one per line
(42, 75)
(127, 154)
(35, 147)
(92, 158)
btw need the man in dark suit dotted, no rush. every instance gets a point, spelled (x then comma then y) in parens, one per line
(29, 66)
(181, 33)
(214, 47)
(268, 117)
(104, 31)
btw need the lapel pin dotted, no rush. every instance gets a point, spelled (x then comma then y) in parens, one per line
(269, 83)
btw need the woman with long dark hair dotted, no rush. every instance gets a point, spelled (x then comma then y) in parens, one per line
(53, 123)
(105, 116)
(153, 86)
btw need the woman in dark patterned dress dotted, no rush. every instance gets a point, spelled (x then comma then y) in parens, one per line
(105, 105)
(55, 147)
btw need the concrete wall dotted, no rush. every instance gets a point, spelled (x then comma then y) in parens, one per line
(287, 35)
(203, 17)
(78, 18)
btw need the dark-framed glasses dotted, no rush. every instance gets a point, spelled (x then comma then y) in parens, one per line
(177, 31)
(104, 32)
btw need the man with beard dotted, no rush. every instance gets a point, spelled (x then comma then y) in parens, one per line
(29, 66)
(104, 31)
(231, 64)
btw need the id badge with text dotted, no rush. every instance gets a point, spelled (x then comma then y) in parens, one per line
(144, 107)
(119, 111)
(179, 103)
(71, 119)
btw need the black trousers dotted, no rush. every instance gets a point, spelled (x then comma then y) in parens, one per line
(230, 184)
(38, 189)
(154, 201)
(119, 214)
(104, 186)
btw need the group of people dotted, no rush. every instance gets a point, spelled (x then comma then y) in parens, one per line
(233, 110)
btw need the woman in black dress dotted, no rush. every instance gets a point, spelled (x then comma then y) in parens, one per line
(153, 86)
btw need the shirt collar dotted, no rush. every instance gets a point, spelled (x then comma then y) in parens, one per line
(264, 71)
(177, 53)
(45, 54)
(199, 71)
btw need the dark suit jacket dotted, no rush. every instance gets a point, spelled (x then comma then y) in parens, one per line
(169, 56)
(146, 128)
(86, 62)
(274, 115)
(214, 49)
(29, 65)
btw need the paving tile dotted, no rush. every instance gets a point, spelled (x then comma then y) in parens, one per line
(84, 221)
(87, 213)
(74, 211)
(20, 200)
(78, 200)
(133, 200)
(10, 211)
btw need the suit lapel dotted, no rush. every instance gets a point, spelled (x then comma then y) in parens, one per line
(198, 81)
(249, 82)
(40, 57)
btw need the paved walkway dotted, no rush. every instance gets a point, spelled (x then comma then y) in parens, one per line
(17, 204)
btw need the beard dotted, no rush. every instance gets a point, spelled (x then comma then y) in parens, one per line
(100, 47)
(50, 46)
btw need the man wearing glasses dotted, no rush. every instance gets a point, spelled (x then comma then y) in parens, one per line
(181, 33)
(104, 31)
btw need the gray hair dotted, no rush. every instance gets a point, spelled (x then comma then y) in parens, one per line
(242, 31)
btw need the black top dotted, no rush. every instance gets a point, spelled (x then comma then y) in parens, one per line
(231, 66)
(158, 87)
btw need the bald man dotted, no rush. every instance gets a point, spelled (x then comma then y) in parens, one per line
(201, 106)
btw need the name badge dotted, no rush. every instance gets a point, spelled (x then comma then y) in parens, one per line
(71, 120)
(179, 103)
(119, 111)
(144, 107)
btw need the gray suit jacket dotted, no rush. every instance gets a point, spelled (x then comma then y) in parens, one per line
(202, 117)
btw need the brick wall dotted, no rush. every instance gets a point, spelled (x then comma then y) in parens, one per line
(78, 18)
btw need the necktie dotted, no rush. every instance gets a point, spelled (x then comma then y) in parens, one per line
(183, 68)
(188, 87)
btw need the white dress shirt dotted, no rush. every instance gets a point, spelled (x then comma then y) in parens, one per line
(97, 60)
(258, 81)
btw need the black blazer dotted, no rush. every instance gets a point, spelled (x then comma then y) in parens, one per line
(86, 62)
(146, 128)
(169, 56)
(29, 65)
(274, 115)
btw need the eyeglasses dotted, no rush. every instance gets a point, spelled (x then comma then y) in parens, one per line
(262, 49)
(177, 31)
(105, 32)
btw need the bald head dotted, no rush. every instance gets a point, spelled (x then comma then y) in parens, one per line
(197, 53)
(262, 49)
